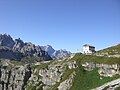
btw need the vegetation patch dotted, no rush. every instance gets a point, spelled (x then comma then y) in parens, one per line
(111, 50)
(96, 59)
(86, 80)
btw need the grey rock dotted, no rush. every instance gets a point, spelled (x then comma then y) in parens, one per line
(55, 54)
(8, 53)
(61, 53)
(29, 49)
(6, 40)
(48, 49)
(14, 78)
(103, 69)
(72, 65)
(17, 49)
(18, 45)
(66, 85)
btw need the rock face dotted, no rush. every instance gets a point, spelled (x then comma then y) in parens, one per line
(48, 49)
(56, 53)
(29, 49)
(65, 85)
(43, 78)
(8, 53)
(19, 44)
(14, 78)
(6, 40)
(104, 69)
(61, 53)
(48, 76)
(17, 49)
(37, 76)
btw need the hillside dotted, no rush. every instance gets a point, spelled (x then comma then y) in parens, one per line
(113, 51)
(77, 72)
(89, 76)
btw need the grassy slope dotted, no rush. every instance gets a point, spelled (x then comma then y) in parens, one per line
(96, 59)
(86, 80)
(111, 50)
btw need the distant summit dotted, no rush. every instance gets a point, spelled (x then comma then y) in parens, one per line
(49, 49)
(61, 53)
(56, 54)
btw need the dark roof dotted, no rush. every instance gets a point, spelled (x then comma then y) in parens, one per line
(88, 45)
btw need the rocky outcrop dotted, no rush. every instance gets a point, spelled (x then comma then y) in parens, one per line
(19, 44)
(6, 40)
(16, 75)
(17, 49)
(66, 85)
(72, 65)
(14, 78)
(105, 70)
(49, 49)
(46, 77)
(8, 53)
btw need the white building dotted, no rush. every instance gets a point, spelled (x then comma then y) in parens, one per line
(87, 49)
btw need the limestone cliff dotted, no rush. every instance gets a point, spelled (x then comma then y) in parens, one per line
(44, 75)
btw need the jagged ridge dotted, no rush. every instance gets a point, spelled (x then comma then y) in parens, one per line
(56, 54)
(17, 49)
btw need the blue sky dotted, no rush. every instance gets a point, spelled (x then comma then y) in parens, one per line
(62, 23)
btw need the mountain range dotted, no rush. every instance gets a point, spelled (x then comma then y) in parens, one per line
(56, 54)
(18, 49)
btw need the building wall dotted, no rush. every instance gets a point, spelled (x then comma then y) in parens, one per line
(88, 49)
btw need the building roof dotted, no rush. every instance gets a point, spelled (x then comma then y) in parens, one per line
(88, 45)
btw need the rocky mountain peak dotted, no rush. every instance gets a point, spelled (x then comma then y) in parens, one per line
(17, 49)
(55, 53)
(28, 49)
(6, 40)
(49, 49)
